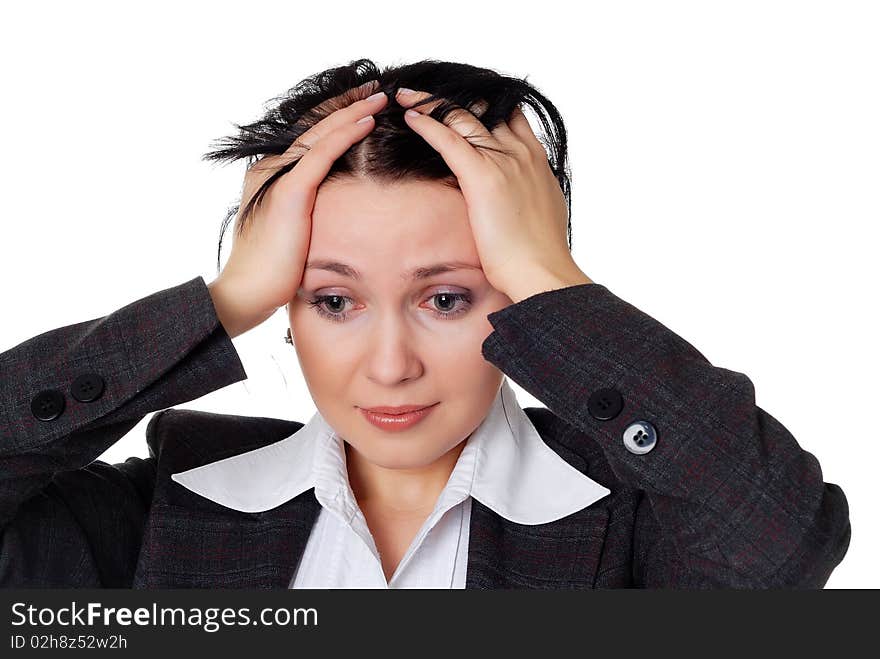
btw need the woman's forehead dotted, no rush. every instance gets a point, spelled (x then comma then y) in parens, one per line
(349, 199)
(369, 221)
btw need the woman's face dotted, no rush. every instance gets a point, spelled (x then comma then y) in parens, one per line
(387, 341)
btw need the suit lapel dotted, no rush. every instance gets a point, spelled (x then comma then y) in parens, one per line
(205, 544)
(287, 532)
(558, 555)
(501, 554)
(196, 549)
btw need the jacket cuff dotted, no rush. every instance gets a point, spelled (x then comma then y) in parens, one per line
(721, 466)
(164, 349)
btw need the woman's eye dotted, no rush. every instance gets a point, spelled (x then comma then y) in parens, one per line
(447, 305)
(451, 304)
(332, 301)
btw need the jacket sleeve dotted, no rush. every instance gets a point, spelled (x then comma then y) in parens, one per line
(729, 498)
(66, 518)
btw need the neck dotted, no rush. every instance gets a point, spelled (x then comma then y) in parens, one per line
(399, 491)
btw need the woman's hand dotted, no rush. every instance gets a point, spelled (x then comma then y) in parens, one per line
(516, 208)
(266, 264)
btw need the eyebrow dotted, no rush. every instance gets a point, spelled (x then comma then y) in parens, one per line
(422, 272)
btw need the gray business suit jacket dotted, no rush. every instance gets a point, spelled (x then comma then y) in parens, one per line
(725, 498)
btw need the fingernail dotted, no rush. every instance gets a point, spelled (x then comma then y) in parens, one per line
(376, 96)
(403, 91)
(364, 120)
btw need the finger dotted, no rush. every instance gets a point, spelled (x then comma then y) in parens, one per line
(460, 120)
(514, 143)
(503, 133)
(300, 184)
(459, 154)
(359, 92)
(519, 124)
(340, 117)
(266, 166)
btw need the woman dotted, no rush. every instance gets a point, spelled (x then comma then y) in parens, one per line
(421, 258)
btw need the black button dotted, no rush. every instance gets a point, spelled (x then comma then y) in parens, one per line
(48, 404)
(605, 404)
(87, 387)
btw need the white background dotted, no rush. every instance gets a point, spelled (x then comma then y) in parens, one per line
(724, 158)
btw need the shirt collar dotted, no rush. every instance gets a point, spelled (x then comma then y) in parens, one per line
(505, 465)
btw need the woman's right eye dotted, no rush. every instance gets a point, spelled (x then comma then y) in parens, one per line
(318, 302)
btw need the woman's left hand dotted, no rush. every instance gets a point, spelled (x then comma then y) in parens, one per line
(516, 209)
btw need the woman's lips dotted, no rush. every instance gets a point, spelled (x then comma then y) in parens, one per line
(396, 422)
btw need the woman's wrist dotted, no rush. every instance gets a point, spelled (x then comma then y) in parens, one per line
(232, 312)
(532, 283)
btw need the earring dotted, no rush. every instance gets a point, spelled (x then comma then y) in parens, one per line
(288, 338)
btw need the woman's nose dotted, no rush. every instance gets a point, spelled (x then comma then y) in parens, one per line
(393, 356)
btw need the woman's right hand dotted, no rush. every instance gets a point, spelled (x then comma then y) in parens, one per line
(266, 264)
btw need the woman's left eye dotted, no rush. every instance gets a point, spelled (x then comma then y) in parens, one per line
(446, 305)
(451, 299)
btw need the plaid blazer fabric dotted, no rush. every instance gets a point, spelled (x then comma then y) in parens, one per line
(726, 498)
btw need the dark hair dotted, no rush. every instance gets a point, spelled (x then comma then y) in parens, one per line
(392, 151)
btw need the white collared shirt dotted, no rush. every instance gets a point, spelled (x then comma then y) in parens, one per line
(504, 464)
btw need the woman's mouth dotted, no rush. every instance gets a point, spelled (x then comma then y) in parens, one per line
(396, 422)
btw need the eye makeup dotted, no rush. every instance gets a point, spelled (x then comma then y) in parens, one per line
(320, 303)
